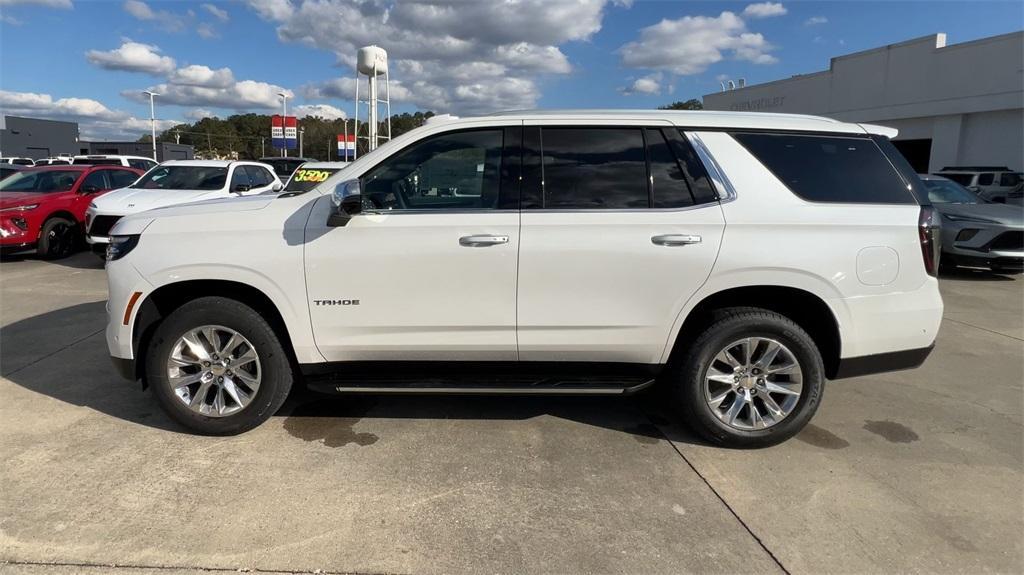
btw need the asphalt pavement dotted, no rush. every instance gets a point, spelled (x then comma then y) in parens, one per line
(917, 471)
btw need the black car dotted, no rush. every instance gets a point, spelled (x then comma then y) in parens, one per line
(284, 166)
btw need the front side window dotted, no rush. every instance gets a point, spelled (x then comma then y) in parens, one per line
(183, 178)
(141, 164)
(986, 179)
(829, 168)
(455, 170)
(122, 178)
(240, 177)
(95, 181)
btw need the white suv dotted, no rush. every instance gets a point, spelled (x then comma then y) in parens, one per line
(738, 260)
(176, 182)
(137, 162)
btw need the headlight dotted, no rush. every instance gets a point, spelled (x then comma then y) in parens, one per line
(954, 218)
(119, 246)
(20, 208)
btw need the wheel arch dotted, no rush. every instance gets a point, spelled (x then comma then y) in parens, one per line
(807, 309)
(162, 301)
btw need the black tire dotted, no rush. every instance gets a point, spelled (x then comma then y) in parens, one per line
(277, 374)
(685, 381)
(58, 238)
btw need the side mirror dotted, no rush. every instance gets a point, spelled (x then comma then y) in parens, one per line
(346, 201)
(242, 188)
(277, 187)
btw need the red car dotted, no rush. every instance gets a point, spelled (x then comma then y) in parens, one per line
(44, 208)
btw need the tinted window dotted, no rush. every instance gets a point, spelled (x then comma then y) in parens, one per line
(41, 181)
(256, 178)
(594, 168)
(1009, 179)
(986, 179)
(95, 180)
(962, 179)
(947, 192)
(239, 177)
(122, 178)
(141, 164)
(668, 183)
(263, 174)
(696, 174)
(457, 170)
(829, 169)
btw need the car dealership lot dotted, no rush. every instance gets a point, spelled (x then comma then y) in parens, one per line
(909, 471)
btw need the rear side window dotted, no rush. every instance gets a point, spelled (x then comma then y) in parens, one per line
(594, 168)
(986, 179)
(829, 168)
(668, 184)
(1009, 179)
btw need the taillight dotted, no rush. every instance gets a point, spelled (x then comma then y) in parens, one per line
(928, 229)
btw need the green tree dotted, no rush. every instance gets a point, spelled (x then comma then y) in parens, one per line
(691, 104)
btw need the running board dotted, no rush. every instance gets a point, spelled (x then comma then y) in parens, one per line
(551, 386)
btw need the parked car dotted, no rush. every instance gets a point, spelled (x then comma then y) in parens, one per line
(7, 170)
(992, 183)
(976, 232)
(137, 162)
(53, 161)
(18, 161)
(284, 166)
(311, 175)
(737, 259)
(176, 182)
(44, 208)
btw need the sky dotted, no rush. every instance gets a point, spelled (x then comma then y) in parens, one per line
(90, 60)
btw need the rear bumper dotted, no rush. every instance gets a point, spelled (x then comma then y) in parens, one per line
(882, 362)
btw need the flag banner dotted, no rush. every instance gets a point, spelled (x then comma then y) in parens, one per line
(346, 148)
(291, 132)
(277, 131)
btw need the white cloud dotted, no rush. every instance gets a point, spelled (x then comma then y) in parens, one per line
(646, 85)
(132, 57)
(217, 13)
(139, 9)
(62, 4)
(244, 95)
(450, 55)
(815, 21)
(273, 10)
(325, 111)
(203, 76)
(8, 19)
(692, 43)
(206, 31)
(764, 10)
(95, 120)
(197, 114)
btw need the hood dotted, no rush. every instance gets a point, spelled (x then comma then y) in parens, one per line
(135, 223)
(14, 199)
(132, 200)
(999, 213)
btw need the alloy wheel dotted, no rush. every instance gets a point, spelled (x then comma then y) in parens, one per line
(214, 370)
(753, 383)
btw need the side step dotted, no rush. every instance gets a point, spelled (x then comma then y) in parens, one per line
(551, 386)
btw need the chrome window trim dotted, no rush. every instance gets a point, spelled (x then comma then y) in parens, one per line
(723, 187)
(539, 210)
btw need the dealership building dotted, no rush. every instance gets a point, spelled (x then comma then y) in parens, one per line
(961, 104)
(38, 138)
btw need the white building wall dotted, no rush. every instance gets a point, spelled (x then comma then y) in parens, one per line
(967, 98)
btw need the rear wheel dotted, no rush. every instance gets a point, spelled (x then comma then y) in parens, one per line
(217, 367)
(752, 378)
(57, 238)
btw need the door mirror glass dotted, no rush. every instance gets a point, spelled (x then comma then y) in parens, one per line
(346, 201)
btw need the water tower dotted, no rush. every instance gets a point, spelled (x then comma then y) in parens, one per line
(372, 63)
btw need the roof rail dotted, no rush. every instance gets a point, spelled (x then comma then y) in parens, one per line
(976, 168)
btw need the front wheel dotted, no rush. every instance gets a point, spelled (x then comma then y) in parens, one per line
(217, 367)
(752, 378)
(57, 238)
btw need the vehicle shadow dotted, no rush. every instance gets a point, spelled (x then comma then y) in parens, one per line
(81, 260)
(974, 274)
(52, 355)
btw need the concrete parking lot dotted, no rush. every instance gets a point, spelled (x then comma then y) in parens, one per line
(915, 471)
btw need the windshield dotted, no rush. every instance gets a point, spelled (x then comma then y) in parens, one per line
(41, 181)
(947, 192)
(184, 178)
(306, 179)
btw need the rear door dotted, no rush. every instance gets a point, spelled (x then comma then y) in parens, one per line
(428, 271)
(620, 226)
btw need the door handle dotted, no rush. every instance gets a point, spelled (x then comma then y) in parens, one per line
(675, 240)
(482, 241)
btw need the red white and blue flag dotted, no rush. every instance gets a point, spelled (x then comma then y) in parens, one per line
(284, 132)
(346, 147)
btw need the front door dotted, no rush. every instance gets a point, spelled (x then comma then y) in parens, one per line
(428, 271)
(620, 226)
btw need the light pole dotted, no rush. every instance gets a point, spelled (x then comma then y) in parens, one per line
(284, 120)
(302, 132)
(152, 120)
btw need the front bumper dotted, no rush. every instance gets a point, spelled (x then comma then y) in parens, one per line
(982, 244)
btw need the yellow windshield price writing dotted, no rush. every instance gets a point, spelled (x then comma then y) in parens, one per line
(315, 176)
